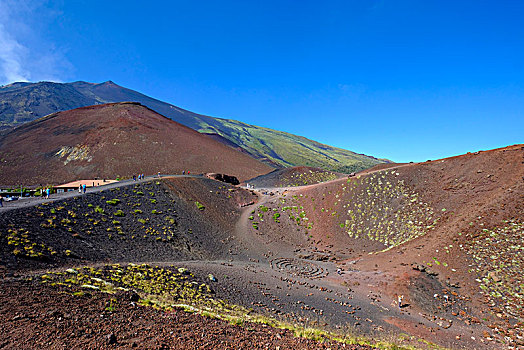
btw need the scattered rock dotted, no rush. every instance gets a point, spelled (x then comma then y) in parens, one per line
(183, 271)
(111, 339)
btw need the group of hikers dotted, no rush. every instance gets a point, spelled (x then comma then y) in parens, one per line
(46, 192)
(82, 188)
(138, 177)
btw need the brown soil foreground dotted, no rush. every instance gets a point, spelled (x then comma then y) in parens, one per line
(36, 317)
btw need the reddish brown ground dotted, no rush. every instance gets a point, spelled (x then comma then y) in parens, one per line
(38, 317)
(476, 191)
(286, 270)
(111, 140)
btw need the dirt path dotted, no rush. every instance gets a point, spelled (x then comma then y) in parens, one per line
(280, 190)
(32, 201)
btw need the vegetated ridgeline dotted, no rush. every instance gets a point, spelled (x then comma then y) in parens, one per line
(22, 102)
(111, 140)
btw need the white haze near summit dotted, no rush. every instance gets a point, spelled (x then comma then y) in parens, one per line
(25, 55)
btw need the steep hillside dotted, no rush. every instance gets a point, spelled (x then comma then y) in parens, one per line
(24, 102)
(21, 102)
(112, 140)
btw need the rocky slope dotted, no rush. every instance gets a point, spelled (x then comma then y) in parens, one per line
(109, 141)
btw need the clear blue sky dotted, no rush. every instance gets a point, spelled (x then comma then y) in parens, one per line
(404, 80)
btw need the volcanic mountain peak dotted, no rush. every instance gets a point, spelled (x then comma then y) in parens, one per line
(26, 101)
(110, 140)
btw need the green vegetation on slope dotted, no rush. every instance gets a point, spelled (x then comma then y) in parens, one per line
(171, 287)
(23, 102)
(496, 256)
(286, 149)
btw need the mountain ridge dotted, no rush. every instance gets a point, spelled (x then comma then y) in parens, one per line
(113, 140)
(22, 102)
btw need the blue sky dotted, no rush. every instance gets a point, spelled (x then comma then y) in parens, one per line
(404, 80)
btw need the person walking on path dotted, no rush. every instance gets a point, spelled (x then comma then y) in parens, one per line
(1, 201)
(47, 192)
(84, 188)
(400, 297)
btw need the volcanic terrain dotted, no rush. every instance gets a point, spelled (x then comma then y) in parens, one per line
(327, 260)
(22, 102)
(106, 141)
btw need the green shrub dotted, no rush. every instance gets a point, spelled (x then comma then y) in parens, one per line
(119, 213)
(199, 205)
(99, 210)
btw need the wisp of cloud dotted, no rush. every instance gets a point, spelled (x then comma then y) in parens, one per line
(20, 58)
(11, 57)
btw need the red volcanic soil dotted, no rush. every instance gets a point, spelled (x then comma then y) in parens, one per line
(111, 140)
(40, 317)
(467, 212)
(445, 234)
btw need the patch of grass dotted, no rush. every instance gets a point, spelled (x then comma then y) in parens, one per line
(99, 210)
(199, 205)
